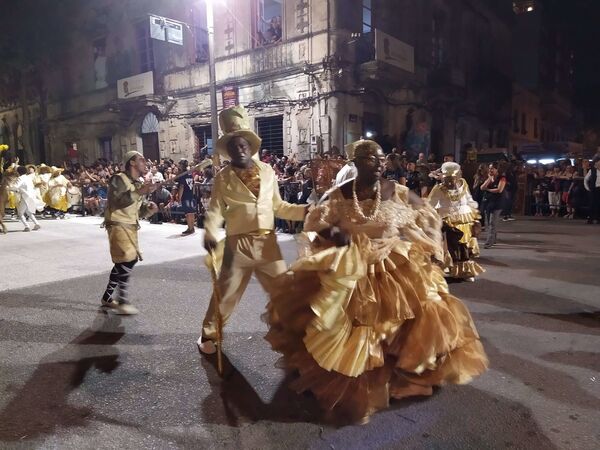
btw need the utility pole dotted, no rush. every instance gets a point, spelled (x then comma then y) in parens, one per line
(214, 120)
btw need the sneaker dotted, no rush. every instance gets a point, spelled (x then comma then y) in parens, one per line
(37, 227)
(125, 308)
(488, 245)
(470, 279)
(206, 346)
(121, 307)
(511, 219)
(27, 229)
(110, 304)
(188, 232)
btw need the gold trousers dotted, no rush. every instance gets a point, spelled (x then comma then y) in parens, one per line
(123, 241)
(243, 256)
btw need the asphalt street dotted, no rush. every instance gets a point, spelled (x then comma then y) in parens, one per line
(72, 377)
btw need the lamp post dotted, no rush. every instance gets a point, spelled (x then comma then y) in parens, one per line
(214, 125)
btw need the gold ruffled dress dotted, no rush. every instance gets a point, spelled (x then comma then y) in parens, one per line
(459, 213)
(373, 320)
(56, 196)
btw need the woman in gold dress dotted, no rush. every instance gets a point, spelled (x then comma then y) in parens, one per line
(365, 315)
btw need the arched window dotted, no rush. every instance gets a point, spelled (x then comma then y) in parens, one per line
(150, 124)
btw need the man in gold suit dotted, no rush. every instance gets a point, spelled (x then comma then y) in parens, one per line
(246, 197)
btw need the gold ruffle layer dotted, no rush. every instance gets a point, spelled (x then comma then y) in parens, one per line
(369, 322)
(465, 269)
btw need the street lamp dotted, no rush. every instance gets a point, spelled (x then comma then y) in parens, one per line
(212, 79)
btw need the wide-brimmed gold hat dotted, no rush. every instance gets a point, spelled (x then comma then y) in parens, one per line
(56, 171)
(43, 168)
(361, 146)
(234, 122)
(450, 169)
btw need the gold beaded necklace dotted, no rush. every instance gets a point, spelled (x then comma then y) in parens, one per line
(356, 205)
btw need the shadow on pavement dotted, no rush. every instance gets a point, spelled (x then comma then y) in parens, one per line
(519, 299)
(41, 404)
(234, 402)
(547, 381)
(586, 360)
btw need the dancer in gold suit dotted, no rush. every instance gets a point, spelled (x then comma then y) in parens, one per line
(246, 197)
(455, 205)
(366, 316)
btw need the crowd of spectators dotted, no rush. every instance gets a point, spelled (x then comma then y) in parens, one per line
(552, 190)
(89, 190)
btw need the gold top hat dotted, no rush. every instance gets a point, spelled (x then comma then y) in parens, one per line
(43, 168)
(3, 148)
(361, 147)
(234, 122)
(450, 169)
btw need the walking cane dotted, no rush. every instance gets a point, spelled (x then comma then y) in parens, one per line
(218, 316)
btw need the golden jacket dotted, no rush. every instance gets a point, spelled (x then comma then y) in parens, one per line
(125, 204)
(231, 201)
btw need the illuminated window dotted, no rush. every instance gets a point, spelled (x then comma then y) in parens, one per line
(367, 16)
(268, 28)
(523, 6)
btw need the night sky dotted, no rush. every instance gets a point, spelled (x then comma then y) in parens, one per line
(580, 20)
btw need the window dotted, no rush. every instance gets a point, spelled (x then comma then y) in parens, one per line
(535, 128)
(204, 137)
(99, 49)
(268, 28)
(270, 129)
(523, 6)
(523, 123)
(516, 121)
(200, 32)
(437, 41)
(144, 45)
(106, 148)
(367, 16)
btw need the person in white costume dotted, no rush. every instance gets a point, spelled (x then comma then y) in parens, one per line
(28, 202)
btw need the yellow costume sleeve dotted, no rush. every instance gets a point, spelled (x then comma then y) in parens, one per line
(214, 217)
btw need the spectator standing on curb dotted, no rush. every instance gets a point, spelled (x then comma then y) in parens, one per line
(189, 205)
(592, 185)
(493, 188)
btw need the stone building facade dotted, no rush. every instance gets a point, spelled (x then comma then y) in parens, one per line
(426, 75)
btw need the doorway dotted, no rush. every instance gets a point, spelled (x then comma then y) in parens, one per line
(150, 146)
(106, 148)
(150, 128)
